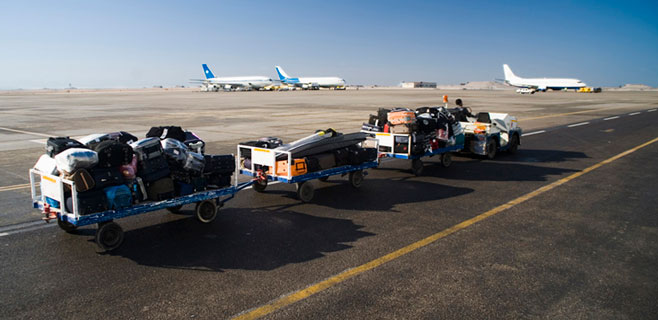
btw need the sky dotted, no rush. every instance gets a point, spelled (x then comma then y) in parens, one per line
(125, 44)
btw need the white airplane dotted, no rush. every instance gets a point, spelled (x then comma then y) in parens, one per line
(311, 82)
(541, 84)
(213, 83)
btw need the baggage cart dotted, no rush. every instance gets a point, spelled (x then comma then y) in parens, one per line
(49, 194)
(387, 148)
(263, 167)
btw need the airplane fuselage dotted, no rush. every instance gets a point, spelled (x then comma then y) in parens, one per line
(541, 83)
(323, 82)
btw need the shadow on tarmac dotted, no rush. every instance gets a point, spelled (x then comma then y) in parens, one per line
(249, 239)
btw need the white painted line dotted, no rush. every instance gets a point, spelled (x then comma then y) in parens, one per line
(4, 234)
(23, 225)
(611, 118)
(26, 132)
(634, 113)
(577, 124)
(45, 225)
(652, 110)
(531, 133)
(39, 141)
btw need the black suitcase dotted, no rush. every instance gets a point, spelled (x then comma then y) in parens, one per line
(222, 164)
(321, 161)
(433, 111)
(122, 136)
(342, 156)
(162, 133)
(113, 153)
(59, 144)
(106, 177)
(382, 116)
(373, 119)
(218, 180)
(427, 124)
(162, 189)
(89, 202)
(147, 148)
(361, 155)
(153, 169)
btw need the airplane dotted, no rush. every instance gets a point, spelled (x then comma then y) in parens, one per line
(213, 83)
(311, 82)
(541, 84)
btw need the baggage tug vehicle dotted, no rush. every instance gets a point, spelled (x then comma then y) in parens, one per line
(488, 133)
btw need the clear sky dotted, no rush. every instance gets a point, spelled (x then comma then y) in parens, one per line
(103, 44)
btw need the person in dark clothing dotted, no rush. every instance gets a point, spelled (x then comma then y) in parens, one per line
(461, 112)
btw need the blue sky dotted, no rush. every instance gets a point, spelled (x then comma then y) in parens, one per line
(97, 44)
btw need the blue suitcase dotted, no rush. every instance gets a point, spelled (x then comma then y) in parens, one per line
(118, 197)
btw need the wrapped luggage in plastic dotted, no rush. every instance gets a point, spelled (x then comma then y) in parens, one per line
(75, 158)
(47, 165)
(174, 150)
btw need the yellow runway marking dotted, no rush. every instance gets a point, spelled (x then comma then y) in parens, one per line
(347, 274)
(15, 187)
(565, 114)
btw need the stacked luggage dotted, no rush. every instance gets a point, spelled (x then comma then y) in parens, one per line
(113, 171)
(323, 150)
(415, 132)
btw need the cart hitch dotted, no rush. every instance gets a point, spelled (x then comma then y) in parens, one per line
(48, 215)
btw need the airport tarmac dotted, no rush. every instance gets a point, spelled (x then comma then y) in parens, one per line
(525, 235)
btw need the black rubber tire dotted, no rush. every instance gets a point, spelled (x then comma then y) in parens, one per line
(66, 226)
(206, 211)
(492, 148)
(514, 144)
(109, 235)
(305, 191)
(446, 160)
(356, 178)
(417, 167)
(324, 179)
(260, 185)
(175, 209)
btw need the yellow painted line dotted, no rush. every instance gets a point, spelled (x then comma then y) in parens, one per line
(347, 274)
(15, 187)
(565, 114)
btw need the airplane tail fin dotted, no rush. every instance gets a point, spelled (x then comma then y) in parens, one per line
(509, 75)
(207, 71)
(282, 74)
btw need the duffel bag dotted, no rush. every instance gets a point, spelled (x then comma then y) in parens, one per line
(118, 197)
(56, 145)
(164, 132)
(72, 159)
(174, 150)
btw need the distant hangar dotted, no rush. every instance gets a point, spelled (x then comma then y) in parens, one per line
(418, 84)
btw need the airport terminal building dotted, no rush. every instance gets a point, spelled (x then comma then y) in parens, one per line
(418, 84)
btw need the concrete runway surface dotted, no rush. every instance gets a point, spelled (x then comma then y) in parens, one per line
(565, 228)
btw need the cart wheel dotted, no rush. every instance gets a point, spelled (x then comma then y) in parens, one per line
(66, 226)
(175, 209)
(305, 191)
(356, 178)
(491, 149)
(324, 179)
(260, 185)
(206, 211)
(446, 160)
(513, 144)
(109, 235)
(417, 166)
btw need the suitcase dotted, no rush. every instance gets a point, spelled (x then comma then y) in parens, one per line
(224, 164)
(147, 148)
(89, 202)
(194, 163)
(194, 143)
(47, 165)
(401, 129)
(118, 197)
(112, 153)
(180, 175)
(72, 159)
(106, 177)
(401, 145)
(298, 167)
(139, 190)
(369, 143)
(427, 124)
(153, 169)
(162, 133)
(372, 119)
(84, 181)
(371, 127)
(123, 137)
(174, 150)
(321, 162)
(162, 189)
(217, 180)
(56, 145)
(93, 140)
(401, 117)
(362, 155)
(200, 183)
(342, 156)
(271, 142)
(432, 111)
(183, 189)
(382, 116)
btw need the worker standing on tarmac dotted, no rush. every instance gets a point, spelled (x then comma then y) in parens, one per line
(463, 111)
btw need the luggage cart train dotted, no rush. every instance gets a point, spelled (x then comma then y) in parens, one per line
(105, 177)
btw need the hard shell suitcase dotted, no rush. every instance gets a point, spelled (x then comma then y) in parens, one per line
(84, 181)
(194, 163)
(153, 169)
(105, 177)
(427, 124)
(298, 167)
(112, 153)
(224, 164)
(118, 197)
(401, 117)
(89, 202)
(162, 133)
(174, 150)
(72, 159)
(148, 148)
(162, 189)
(56, 145)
